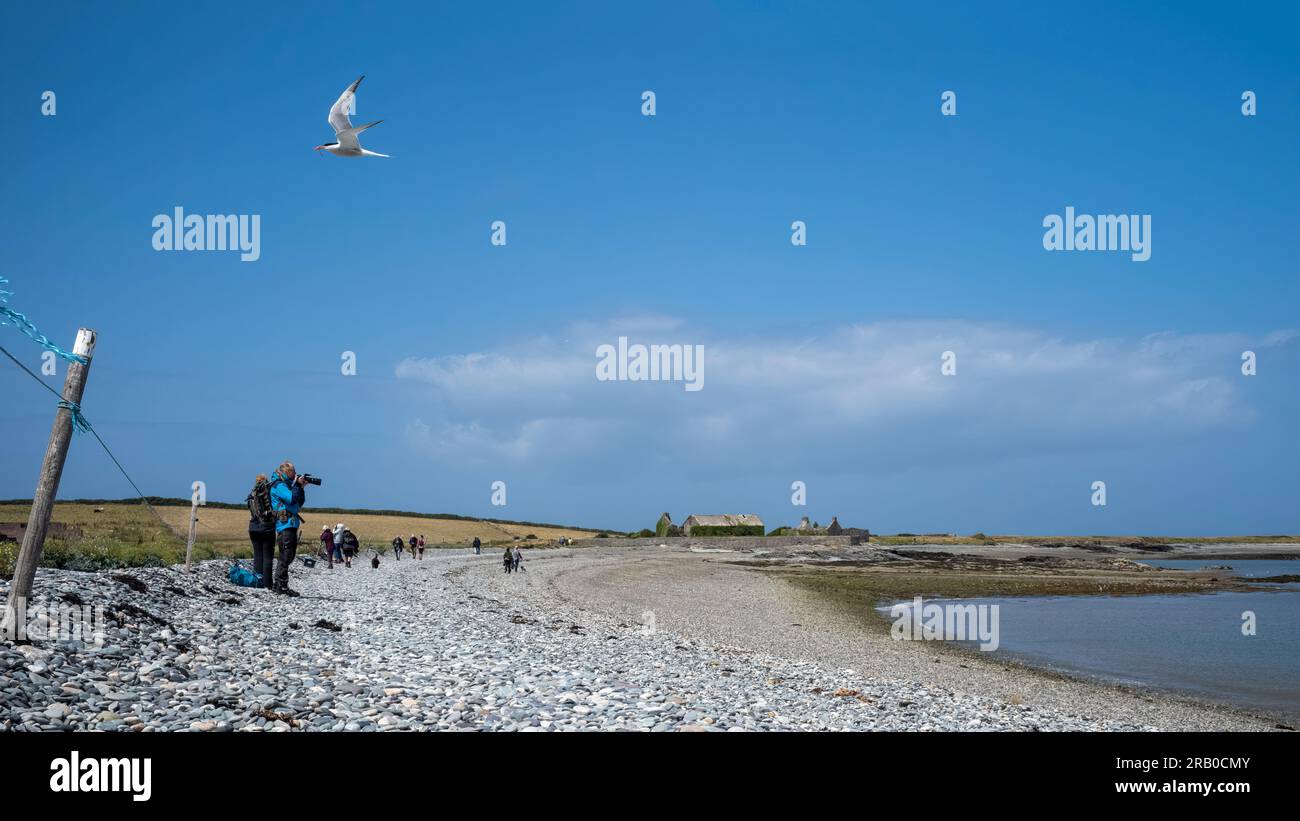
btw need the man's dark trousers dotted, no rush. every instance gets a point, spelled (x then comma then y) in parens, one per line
(263, 555)
(288, 542)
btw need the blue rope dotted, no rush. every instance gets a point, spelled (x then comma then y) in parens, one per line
(79, 423)
(82, 425)
(25, 326)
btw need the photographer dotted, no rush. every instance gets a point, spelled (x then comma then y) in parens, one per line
(287, 498)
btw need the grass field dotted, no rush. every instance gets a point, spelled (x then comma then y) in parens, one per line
(128, 535)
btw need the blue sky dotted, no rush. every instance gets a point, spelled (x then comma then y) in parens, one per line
(476, 363)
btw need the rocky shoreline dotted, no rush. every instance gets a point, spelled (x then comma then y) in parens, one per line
(449, 643)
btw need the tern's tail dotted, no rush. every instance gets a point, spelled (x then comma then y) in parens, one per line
(366, 153)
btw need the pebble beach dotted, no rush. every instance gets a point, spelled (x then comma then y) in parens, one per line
(452, 643)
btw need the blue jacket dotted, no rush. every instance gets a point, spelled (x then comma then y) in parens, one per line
(286, 495)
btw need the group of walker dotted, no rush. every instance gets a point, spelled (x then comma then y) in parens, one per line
(274, 520)
(416, 546)
(339, 544)
(513, 560)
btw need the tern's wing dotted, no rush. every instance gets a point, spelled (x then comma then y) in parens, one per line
(339, 111)
(348, 140)
(348, 137)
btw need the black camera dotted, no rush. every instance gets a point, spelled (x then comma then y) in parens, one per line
(307, 478)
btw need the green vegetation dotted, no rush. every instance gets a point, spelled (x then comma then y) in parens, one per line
(867, 588)
(1137, 542)
(666, 529)
(106, 553)
(727, 530)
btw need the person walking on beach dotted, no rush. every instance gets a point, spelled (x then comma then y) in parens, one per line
(519, 559)
(420, 547)
(327, 544)
(413, 544)
(350, 547)
(397, 547)
(339, 530)
(478, 546)
(508, 560)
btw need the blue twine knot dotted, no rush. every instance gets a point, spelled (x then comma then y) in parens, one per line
(79, 422)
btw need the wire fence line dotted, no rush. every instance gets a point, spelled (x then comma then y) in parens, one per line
(79, 421)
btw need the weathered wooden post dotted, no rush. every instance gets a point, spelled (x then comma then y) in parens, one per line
(47, 486)
(196, 499)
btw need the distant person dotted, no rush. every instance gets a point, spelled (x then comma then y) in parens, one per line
(350, 547)
(287, 498)
(339, 530)
(421, 547)
(478, 546)
(508, 560)
(261, 529)
(412, 544)
(327, 544)
(519, 558)
(397, 547)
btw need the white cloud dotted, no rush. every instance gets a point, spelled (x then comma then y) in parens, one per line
(851, 397)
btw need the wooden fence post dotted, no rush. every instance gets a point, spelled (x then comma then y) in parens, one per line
(47, 486)
(194, 522)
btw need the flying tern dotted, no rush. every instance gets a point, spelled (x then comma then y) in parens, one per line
(345, 136)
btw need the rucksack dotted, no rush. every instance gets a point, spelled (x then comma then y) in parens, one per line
(242, 575)
(259, 503)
